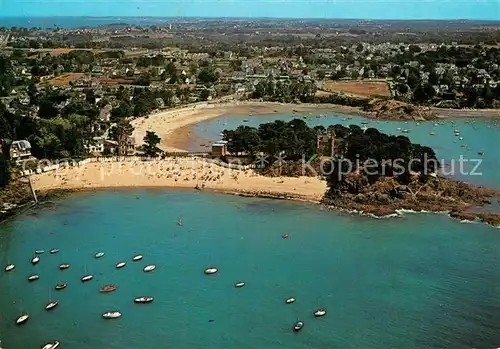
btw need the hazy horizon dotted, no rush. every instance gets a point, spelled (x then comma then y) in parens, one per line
(259, 17)
(295, 9)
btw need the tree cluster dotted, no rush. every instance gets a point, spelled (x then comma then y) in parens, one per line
(388, 156)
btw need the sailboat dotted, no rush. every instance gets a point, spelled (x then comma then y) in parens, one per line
(86, 277)
(35, 259)
(52, 345)
(51, 304)
(320, 312)
(23, 318)
(61, 286)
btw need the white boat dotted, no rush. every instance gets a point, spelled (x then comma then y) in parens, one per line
(138, 257)
(120, 265)
(298, 326)
(433, 133)
(290, 300)
(64, 266)
(22, 319)
(33, 277)
(39, 251)
(51, 305)
(52, 345)
(239, 284)
(10, 267)
(320, 312)
(87, 278)
(143, 300)
(149, 268)
(211, 270)
(99, 254)
(35, 260)
(112, 315)
(61, 286)
(54, 250)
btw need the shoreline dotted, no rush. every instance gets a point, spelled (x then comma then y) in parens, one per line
(47, 194)
(182, 173)
(54, 193)
(175, 126)
(198, 174)
(192, 173)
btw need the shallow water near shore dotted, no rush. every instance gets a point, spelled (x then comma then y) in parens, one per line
(478, 136)
(421, 280)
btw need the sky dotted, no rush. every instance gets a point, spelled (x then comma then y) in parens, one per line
(365, 9)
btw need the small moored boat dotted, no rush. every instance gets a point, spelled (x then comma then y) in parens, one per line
(51, 305)
(99, 254)
(298, 326)
(22, 319)
(239, 284)
(64, 266)
(149, 268)
(108, 288)
(39, 251)
(10, 267)
(320, 312)
(290, 300)
(120, 265)
(112, 315)
(33, 278)
(52, 345)
(285, 236)
(35, 260)
(143, 300)
(61, 286)
(54, 250)
(211, 270)
(137, 258)
(87, 278)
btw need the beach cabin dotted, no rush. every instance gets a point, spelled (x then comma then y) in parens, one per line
(20, 151)
(219, 149)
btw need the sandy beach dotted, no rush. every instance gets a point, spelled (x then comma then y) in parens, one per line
(184, 173)
(174, 125)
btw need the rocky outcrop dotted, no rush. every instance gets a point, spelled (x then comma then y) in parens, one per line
(396, 110)
(386, 197)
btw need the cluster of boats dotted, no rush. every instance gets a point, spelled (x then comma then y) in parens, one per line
(299, 324)
(113, 314)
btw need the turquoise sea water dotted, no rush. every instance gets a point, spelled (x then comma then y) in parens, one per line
(478, 135)
(423, 280)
